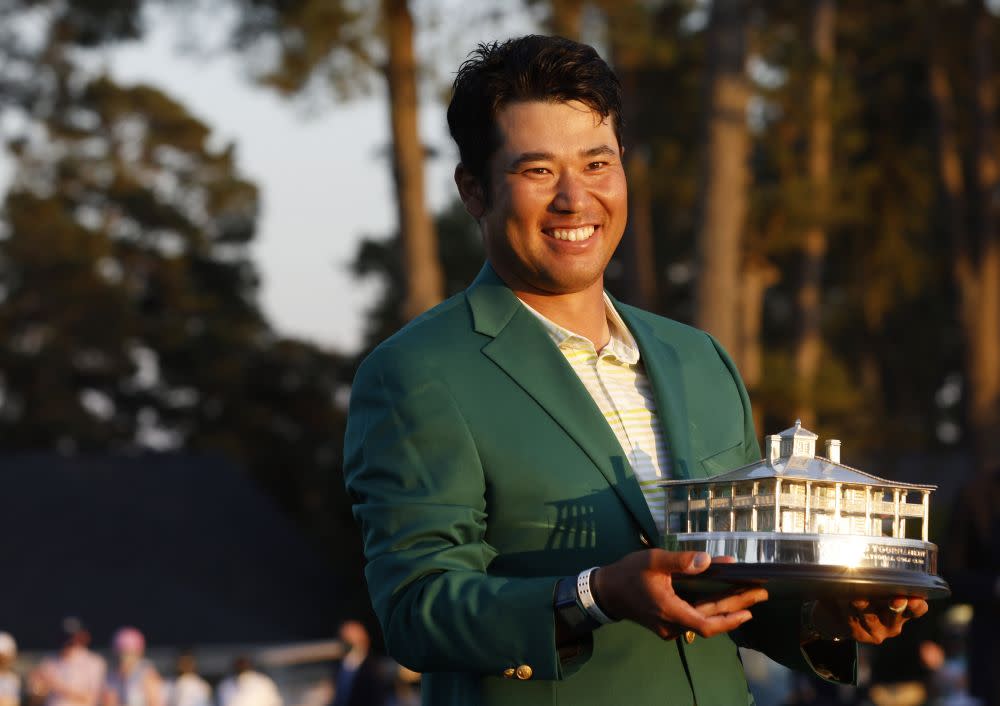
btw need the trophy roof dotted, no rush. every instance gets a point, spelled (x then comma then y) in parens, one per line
(806, 468)
(792, 455)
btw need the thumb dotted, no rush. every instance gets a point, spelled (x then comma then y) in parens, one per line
(682, 562)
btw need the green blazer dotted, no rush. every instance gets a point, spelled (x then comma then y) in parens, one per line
(482, 472)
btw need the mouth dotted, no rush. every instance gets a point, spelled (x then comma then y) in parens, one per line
(573, 235)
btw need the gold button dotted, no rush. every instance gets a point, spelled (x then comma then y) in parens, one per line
(524, 672)
(689, 636)
(644, 539)
(508, 673)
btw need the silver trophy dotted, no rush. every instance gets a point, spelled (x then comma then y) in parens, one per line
(803, 525)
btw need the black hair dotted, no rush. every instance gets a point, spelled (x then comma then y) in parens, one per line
(528, 68)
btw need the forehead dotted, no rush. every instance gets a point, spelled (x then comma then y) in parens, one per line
(548, 126)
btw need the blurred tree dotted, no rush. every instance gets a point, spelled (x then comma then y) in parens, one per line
(460, 249)
(969, 172)
(35, 33)
(314, 40)
(809, 344)
(726, 178)
(128, 302)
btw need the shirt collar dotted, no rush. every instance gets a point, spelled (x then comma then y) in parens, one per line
(621, 346)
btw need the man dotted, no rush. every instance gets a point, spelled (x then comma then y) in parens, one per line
(358, 679)
(134, 681)
(76, 676)
(248, 687)
(189, 688)
(10, 681)
(509, 440)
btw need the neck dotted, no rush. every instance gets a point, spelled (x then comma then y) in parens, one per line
(580, 312)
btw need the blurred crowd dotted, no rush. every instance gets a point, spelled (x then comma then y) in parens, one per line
(931, 668)
(76, 675)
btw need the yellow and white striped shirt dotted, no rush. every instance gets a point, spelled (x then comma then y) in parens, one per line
(617, 381)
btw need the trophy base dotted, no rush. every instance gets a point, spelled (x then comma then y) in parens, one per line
(812, 581)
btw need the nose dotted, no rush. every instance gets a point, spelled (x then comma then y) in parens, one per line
(570, 194)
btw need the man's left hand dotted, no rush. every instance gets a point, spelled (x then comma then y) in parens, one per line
(866, 620)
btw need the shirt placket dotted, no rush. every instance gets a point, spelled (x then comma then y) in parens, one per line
(605, 376)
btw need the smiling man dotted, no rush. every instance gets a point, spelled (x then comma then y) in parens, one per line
(503, 449)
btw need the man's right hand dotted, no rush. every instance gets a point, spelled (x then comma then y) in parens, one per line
(639, 587)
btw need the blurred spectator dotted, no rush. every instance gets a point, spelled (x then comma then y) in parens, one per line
(188, 689)
(75, 677)
(971, 563)
(10, 682)
(134, 681)
(406, 690)
(358, 680)
(248, 687)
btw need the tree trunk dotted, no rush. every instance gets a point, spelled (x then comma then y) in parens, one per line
(421, 265)
(983, 311)
(759, 275)
(809, 346)
(973, 230)
(566, 18)
(639, 250)
(724, 197)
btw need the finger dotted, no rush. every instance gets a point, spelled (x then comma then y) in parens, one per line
(858, 630)
(859, 604)
(917, 607)
(679, 562)
(890, 622)
(898, 604)
(723, 560)
(880, 629)
(723, 622)
(733, 603)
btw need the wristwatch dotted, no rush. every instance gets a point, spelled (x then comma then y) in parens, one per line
(570, 611)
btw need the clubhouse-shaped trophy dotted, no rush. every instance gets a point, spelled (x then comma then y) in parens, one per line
(803, 525)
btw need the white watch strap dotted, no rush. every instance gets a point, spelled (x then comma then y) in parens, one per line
(586, 597)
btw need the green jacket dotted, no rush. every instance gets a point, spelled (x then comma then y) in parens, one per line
(482, 472)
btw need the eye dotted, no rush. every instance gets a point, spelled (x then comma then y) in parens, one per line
(596, 165)
(536, 170)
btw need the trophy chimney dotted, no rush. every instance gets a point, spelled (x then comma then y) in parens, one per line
(832, 447)
(772, 448)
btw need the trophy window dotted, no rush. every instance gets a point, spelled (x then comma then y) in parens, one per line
(793, 521)
(823, 523)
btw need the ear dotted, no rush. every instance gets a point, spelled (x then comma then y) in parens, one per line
(470, 191)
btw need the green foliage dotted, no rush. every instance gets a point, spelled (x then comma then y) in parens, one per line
(306, 40)
(128, 308)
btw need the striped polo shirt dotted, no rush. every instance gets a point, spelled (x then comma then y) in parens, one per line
(617, 381)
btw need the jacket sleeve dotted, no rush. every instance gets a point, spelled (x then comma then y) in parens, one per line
(419, 493)
(776, 625)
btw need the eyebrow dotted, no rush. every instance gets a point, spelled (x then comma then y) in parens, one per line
(528, 157)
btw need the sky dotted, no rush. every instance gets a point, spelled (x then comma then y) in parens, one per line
(324, 175)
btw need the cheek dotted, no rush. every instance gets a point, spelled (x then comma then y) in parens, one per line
(613, 190)
(526, 201)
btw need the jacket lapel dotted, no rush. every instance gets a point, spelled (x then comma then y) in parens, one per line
(666, 374)
(524, 351)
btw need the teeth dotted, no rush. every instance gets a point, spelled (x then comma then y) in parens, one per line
(573, 234)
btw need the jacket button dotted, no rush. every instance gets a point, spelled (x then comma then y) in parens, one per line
(508, 673)
(644, 539)
(524, 672)
(689, 636)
